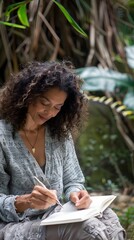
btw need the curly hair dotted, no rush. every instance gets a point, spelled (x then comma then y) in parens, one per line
(34, 80)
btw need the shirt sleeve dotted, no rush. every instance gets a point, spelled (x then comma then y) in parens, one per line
(7, 207)
(73, 178)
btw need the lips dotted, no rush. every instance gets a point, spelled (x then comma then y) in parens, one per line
(43, 118)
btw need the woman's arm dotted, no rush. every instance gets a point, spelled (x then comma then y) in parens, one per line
(7, 208)
(73, 177)
(40, 198)
(16, 207)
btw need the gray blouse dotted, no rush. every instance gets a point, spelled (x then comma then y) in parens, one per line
(18, 166)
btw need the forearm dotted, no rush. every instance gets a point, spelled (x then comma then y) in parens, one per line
(7, 209)
(22, 203)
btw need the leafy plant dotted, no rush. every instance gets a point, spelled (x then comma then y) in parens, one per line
(21, 13)
(127, 217)
(103, 155)
(112, 86)
(106, 80)
(70, 19)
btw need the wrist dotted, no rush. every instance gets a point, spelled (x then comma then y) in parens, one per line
(22, 203)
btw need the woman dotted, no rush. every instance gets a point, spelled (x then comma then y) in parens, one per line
(39, 108)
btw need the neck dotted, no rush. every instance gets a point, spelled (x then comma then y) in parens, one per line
(34, 134)
(31, 129)
(30, 124)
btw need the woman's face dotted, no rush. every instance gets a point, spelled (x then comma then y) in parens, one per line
(47, 106)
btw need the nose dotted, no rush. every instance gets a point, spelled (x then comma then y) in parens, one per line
(49, 113)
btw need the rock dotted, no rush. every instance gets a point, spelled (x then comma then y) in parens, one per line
(123, 198)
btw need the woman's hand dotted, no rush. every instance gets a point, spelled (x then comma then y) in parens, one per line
(81, 199)
(39, 198)
(42, 198)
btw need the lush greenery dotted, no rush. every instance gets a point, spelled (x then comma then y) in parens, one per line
(127, 217)
(103, 155)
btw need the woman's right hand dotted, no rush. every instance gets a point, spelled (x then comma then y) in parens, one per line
(42, 198)
(39, 198)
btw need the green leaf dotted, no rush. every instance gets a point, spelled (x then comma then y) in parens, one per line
(96, 79)
(11, 8)
(22, 15)
(13, 25)
(70, 19)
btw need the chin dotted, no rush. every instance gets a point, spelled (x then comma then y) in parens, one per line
(42, 122)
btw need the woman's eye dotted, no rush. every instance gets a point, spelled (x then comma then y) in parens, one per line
(58, 108)
(45, 103)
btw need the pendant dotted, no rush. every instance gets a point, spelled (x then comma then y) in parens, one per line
(33, 150)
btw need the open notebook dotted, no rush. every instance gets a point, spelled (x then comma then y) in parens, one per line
(69, 213)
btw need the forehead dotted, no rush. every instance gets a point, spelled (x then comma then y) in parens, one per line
(55, 95)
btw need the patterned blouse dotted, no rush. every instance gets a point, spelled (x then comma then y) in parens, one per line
(17, 168)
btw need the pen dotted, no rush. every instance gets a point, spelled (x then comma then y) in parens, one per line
(41, 184)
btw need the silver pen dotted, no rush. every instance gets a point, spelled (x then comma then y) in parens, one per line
(42, 184)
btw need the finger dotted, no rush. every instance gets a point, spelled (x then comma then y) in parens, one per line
(45, 191)
(84, 200)
(42, 197)
(74, 197)
(82, 205)
(38, 196)
(82, 193)
(39, 204)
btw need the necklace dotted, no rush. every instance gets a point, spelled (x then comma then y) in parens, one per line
(32, 146)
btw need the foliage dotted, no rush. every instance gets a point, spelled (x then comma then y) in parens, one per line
(127, 217)
(70, 19)
(119, 84)
(103, 155)
(125, 21)
(117, 88)
(117, 105)
(49, 36)
(21, 13)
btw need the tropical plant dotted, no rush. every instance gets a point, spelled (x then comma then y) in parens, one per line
(103, 155)
(20, 7)
(36, 37)
(106, 42)
(127, 217)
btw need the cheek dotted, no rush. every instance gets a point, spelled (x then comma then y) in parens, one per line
(54, 113)
(40, 108)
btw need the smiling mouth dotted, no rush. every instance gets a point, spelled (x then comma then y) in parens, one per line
(43, 118)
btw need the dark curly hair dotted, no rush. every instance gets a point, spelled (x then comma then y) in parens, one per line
(31, 82)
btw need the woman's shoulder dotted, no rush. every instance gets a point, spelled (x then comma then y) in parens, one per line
(5, 127)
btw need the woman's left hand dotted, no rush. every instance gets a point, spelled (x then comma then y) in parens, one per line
(81, 199)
